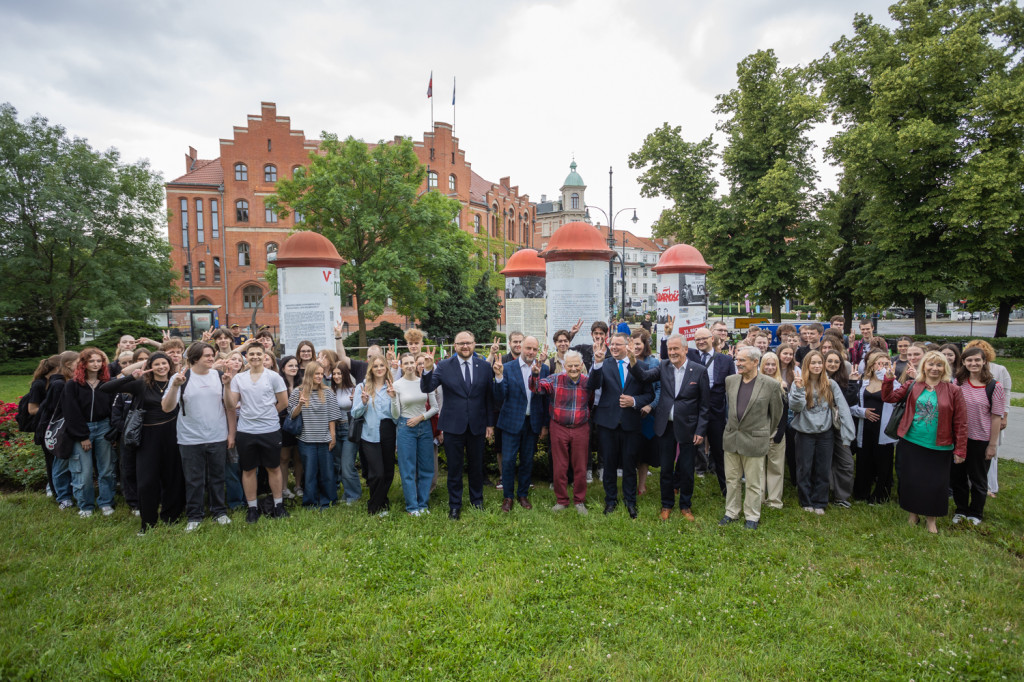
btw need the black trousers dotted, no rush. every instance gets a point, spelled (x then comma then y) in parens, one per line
(129, 476)
(873, 478)
(465, 450)
(715, 433)
(791, 454)
(159, 476)
(379, 460)
(619, 450)
(676, 473)
(969, 480)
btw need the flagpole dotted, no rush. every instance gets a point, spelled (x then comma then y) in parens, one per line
(453, 104)
(430, 96)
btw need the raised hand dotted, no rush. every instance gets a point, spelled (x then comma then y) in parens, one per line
(495, 348)
(429, 353)
(338, 328)
(631, 355)
(166, 336)
(669, 325)
(798, 382)
(140, 372)
(542, 355)
(576, 327)
(599, 351)
(536, 367)
(499, 367)
(178, 379)
(365, 396)
(389, 357)
(207, 335)
(889, 374)
(226, 378)
(391, 390)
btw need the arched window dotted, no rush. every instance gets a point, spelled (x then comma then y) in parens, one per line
(511, 225)
(204, 301)
(451, 182)
(431, 180)
(243, 254)
(574, 199)
(242, 211)
(216, 268)
(271, 251)
(202, 271)
(252, 297)
(241, 171)
(270, 173)
(298, 171)
(494, 220)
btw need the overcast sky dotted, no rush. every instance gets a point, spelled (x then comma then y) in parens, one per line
(538, 83)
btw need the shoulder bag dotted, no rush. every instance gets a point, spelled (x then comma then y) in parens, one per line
(893, 426)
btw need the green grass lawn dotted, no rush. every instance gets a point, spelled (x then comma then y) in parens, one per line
(13, 387)
(856, 594)
(1015, 366)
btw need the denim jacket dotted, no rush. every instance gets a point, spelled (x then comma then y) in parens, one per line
(380, 407)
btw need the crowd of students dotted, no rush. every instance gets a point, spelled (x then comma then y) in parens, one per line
(196, 432)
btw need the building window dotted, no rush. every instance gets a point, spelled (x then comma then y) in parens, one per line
(451, 182)
(297, 171)
(270, 173)
(243, 254)
(270, 214)
(242, 211)
(511, 225)
(476, 223)
(214, 218)
(271, 251)
(252, 297)
(269, 146)
(202, 271)
(458, 220)
(299, 218)
(216, 268)
(574, 199)
(184, 222)
(186, 273)
(200, 228)
(431, 180)
(634, 287)
(241, 171)
(645, 287)
(204, 301)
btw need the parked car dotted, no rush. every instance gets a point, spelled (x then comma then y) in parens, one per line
(963, 315)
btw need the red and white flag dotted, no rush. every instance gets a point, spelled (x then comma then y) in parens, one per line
(430, 86)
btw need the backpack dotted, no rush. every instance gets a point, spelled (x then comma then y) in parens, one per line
(27, 423)
(990, 388)
(57, 440)
(181, 391)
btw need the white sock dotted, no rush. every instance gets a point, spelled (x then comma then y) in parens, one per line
(252, 503)
(278, 500)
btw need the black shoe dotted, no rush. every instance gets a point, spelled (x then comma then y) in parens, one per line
(609, 508)
(252, 515)
(279, 512)
(454, 513)
(750, 525)
(726, 520)
(479, 505)
(632, 511)
(488, 482)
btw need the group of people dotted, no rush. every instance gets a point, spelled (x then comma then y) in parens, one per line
(200, 430)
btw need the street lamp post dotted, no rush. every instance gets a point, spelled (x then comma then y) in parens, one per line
(610, 217)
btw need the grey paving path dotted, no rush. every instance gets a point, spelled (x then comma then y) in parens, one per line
(1013, 436)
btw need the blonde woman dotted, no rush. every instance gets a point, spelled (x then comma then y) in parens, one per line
(813, 398)
(775, 462)
(319, 410)
(373, 402)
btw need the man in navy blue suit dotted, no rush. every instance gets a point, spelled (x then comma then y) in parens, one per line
(618, 419)
(522, 420)
(681, 418)
(466, 416)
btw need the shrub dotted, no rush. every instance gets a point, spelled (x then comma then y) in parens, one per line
(21, 461)
(107, 341)
(1010, 347)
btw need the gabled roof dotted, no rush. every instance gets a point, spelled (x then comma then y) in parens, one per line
(480, 186)
(204, 172)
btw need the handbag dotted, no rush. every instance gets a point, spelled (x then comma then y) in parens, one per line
(133, 426)
(56, 439)
(892, 427)
(292, 425)
(355, 428)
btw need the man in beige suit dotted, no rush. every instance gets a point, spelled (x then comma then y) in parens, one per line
(755, 408)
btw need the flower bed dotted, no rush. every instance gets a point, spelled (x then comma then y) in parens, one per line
(21, 461)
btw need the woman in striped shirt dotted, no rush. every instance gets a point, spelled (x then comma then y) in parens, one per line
(319, 410)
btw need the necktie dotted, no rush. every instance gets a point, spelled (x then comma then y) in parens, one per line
(622, 372)
(465, 374)
(704, 358)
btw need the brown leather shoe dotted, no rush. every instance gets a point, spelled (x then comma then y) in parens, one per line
(665, 514)
(686, 514)
(506, 505)
(524, 503)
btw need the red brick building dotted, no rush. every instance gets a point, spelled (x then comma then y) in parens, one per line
(220, 225)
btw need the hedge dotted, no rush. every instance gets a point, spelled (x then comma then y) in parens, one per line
(1007, 347)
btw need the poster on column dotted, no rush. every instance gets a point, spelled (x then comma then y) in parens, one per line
(576, 290)
(309, 301)
(682, 296)
(525, 305)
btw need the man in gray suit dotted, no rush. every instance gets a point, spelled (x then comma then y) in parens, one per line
(755, 408)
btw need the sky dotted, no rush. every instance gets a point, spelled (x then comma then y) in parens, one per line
(539, 83)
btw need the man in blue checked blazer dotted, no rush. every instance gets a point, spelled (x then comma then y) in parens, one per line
(466, 416)
(522, 420)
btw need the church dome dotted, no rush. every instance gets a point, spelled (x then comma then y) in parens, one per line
(573, 179)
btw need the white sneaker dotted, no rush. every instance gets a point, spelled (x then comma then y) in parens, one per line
(819, 511)
(590, 476)
(223, 519)
(382, 514)
(975, 520)
(288, 494)
(49, 490)
(582, 509)
(85, 513)
(191, 526)
(108, 510)
(957, 518)
(299, 492)
(66, 504)
(618, 472)
(600, 474)
(808, 509)
(559, 507)
(136, 512)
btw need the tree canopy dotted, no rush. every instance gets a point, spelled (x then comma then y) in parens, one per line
(79, 232)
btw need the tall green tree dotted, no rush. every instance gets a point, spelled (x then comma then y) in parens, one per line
(365, 200)
(79, 231)
(759, 236)
(915, 133)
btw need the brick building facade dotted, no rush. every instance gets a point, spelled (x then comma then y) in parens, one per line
(220, 228)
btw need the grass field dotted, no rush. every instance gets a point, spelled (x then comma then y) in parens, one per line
(856, 594)
(1015, 366)
(13, 387)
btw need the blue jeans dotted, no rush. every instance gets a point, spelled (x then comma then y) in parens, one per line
(321, 488)
(233, 494)
(415, 462)
(81, 466)
(61, 480)
(344, 455)
(523, 444)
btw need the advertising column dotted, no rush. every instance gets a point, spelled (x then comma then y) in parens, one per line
(682, 292)
(526, 294)
(309, 290)
(577, 279)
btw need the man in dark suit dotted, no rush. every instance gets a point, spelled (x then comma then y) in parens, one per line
(681, 418)
(522, 420)
(466, 416)
(618, 419)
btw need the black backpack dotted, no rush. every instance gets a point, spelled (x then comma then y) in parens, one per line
(181, 391)
(27, 423)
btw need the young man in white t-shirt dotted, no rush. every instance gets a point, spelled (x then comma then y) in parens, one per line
(259, 395)
(205, 432)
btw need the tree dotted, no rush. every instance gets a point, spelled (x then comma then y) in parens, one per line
(760, 236)
(455, 305)
(914, 133)
(364, 199)
(78, 228)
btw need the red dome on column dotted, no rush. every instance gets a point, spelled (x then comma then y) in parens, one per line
(681, 258)
(524, 263)
(308, 249)
(576, 241)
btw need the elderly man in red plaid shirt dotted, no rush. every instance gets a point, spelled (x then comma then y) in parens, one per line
(569, 408)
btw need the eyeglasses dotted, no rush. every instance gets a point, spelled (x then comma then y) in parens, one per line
(463, 343)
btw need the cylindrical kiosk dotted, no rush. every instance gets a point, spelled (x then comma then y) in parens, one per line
(308, 289)
(525, 295)
(682, 293)
(576, 265)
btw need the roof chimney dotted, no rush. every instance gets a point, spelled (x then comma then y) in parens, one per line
(190, 159)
